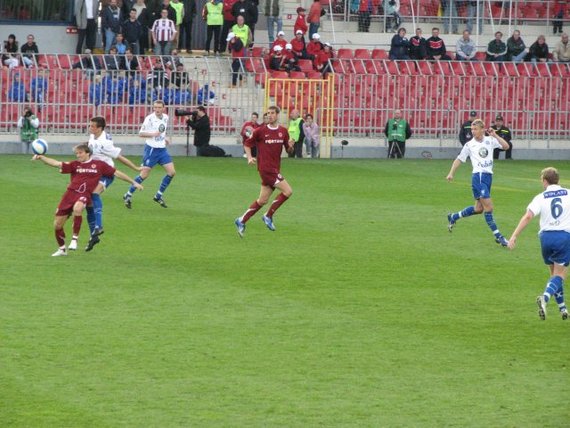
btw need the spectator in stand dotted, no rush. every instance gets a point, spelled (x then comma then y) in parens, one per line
(111, 60)
(86, 15)
(129, 63)
(321, 62)
(280, 40)
(10, 53)
(364, 11)
(392, 12)
(475, 12)
(298, 45)
(185, 36)
(229, 22)
(120, 44)
(212, 14)
(247, 130)
(296, 134)
(538, 51)
(237, 51)
(505, 133)
(559, 13)
(115, 85)
(39, 88)
(163, 31)
(301, 22)
(314, 46)
(29, 50)
(516, 49)
(465, 134)
(178, 6)
(247, 9)
(171, 62)
(111, 20)
(400, 45)
(314, 18)
(241, 30)
(137, 91)
(290, 60)
(180, 78)
(465, 49)
(418, 46)
(273, 9)
(497, 49)
(96, 91)
(17, 92)
(88, 62)
(449, 15)
(561, 52)
(276, 59)
(312, 137)
(28, 124)
(436, 47)
(143, 16)
(171, 11)
(132, 31)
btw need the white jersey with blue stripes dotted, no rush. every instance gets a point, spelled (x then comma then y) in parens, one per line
(153, 123)
(480, 153)
(553, 206)
(103, 148)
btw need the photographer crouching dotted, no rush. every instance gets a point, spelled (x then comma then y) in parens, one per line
(28, 124)
(200, 123)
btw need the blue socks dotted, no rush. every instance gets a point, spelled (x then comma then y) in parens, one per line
(165, 183)
(553, 287)
(91, 219)
(132, 189)
(98, 208)
(491, 223)
(469, 211)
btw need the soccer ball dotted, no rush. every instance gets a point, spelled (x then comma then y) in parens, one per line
(248, 131)
(39, 146)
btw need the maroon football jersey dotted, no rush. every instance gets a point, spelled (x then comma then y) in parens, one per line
(86, 175)
(269, 143)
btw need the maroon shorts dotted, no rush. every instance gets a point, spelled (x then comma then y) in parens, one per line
(270, 179)
(69, 199)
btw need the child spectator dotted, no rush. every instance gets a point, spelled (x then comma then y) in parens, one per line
(314, 46)
(29, 50)
(300, 22)
(280, 41)
(96, 91)
(290, 60)
(276, 61)
(321, 61)
(120, 44)
(298, 44)
(237, 50)
(17, 92)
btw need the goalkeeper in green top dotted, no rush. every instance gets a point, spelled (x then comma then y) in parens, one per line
(397, 131)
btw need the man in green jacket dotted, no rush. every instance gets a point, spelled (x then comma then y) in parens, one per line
(295, 128)
(28, 125)
(397, 131)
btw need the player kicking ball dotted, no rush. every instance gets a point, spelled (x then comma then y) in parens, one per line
(269, 139)
(85, 175)
(480, 150)
(153, 130)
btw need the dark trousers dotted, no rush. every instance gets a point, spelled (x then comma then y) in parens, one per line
(297, 150)
(213, 30)
(185, 39)
(508, 152)
(224, 35)
(396, 149)
(236, 68)
(88, 35)
(363, 21)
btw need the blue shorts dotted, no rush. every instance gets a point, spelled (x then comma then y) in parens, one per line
(555, 247)
(481, 185)
(153, 156)
(107, 181)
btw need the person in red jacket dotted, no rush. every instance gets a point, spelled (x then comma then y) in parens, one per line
(314, 18)
(280, 41)
(229, 21)
(314, 46)
(237, 50)
(322, 59)
(298, 44)
(301, 22)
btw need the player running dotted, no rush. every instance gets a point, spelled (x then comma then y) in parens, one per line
(553, 206)
(85, 175)
(269, 139)
(103, 149)
(153, 130)
(480, 150)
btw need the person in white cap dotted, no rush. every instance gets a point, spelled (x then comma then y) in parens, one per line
(273, 9)
(322, 59)
(298, 45)
(280, 40)
(237, 50)
(290, 60)
(314, 46)
(276, 60)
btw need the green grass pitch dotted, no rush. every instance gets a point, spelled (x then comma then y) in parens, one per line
(359, 310)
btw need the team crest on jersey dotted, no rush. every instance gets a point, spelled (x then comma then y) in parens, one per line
(483, 152)
(280, 135)
(93, 166)
(161, 127)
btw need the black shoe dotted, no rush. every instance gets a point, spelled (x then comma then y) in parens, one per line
(94, 240)
(160, 202)
(98, 231)
(127, 200)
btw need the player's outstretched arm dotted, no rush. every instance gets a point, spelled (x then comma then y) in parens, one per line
(456, 163)
(128, 179)
(48, 161)
(524, 221)
(128, 163)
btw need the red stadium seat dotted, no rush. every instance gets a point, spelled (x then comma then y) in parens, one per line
(297, 75)
(362, 54)
(425, 67)
(305, 65)
(379, 54)
(345, 53)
